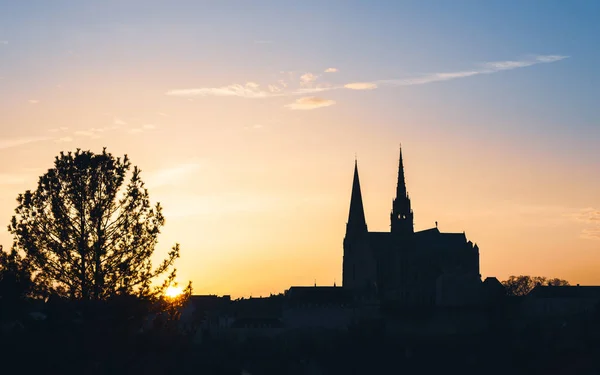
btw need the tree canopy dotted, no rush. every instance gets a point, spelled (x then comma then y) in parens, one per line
(522, 285)
(89, 230)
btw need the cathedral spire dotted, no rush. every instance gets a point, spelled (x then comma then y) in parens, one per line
(401, 184)
(402, 216)
(356, 216)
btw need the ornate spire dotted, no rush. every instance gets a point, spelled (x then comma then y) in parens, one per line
(402, 216)
(356, 216)
(401, 185)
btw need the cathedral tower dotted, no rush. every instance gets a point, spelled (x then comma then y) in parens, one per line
(355, 269)
(402, 215)
(356, 217)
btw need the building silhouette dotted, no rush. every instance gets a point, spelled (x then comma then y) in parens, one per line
(384, 275)
(406, 268)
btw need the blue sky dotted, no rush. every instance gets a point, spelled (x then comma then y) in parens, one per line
(372, 40)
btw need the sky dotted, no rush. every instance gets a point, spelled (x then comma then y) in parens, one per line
(245, 118)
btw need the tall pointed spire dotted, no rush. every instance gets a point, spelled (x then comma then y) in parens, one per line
(402, 216)
(356, 216)
(401, 184)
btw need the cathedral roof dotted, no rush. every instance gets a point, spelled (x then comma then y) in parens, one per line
(428, 232)
(436, 239)
(428, 238)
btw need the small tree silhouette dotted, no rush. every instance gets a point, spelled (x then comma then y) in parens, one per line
(87, 234)
(522, 285)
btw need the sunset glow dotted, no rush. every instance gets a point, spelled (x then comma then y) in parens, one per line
(245, 119)
(173, 291)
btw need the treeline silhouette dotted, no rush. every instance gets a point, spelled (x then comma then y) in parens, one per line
(522, 285)
(79, 295)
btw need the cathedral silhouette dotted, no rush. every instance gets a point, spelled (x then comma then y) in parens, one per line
(403, 267)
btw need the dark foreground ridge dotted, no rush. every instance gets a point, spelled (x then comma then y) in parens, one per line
(536, 334)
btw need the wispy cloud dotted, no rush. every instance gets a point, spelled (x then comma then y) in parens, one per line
(361, 86)
(118, 121)
(263, 42)
(305, 84)
(228, 203)
(591, 233)
(33, 101)
(590, 217)
(311, 89)
(88, 133)
(510, 64)
(249, 90)
(194, 205)
(57, 130)
(487, 68)
(172, 175)
(59, 136)
(307, 78)
(310, 102)
(142, 129)
(3, 41)
(431, 78)
(95, 133)
(14, 142)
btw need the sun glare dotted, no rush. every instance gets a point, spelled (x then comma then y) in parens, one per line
(173, 291)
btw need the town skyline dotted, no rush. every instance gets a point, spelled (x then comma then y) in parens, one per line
(252, 157)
